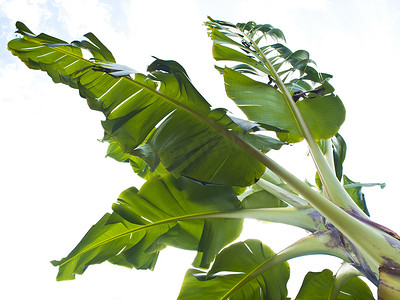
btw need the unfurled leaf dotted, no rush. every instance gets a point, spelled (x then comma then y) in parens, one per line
(227, 279)
(165, 211)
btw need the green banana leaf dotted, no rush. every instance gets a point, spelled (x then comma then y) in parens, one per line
(225, 280)
(249, 45)
(178, 212)
(165, 211)
(160, 117)
(317, 285)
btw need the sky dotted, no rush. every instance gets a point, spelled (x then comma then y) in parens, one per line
(56, 182)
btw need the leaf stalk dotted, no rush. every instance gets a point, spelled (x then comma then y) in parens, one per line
(335, 190)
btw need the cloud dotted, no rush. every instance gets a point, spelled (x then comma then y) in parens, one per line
(79, 17)
(34, 13)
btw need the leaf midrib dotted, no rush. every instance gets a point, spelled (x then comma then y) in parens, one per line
(198, 216)
(231, 214)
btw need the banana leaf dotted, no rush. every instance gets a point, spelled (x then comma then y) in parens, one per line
(159, 117)
(165, 211)
(249, 45)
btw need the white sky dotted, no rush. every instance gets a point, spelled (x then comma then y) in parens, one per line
(56, 183)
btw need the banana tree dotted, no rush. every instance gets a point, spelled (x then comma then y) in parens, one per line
(207, 170)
